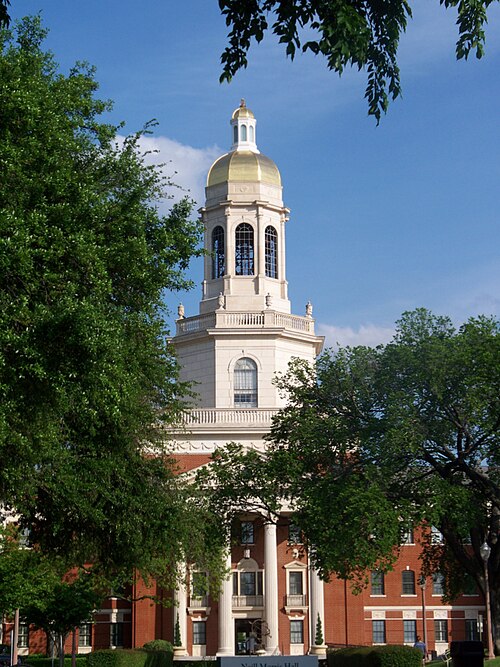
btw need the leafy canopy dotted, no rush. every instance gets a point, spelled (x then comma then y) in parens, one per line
(375, 438)
(361, 33)
(87, 376)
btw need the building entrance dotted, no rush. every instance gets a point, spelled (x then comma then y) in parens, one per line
(248, 635)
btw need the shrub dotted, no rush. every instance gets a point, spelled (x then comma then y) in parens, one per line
(158, 645)
(378, 656)
(130, 658)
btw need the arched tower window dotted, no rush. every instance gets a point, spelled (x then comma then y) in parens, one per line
(271, 241)
(235, 134)
(245, 383)
(251, 131)
(243, 133)
(218, 253)
(244, 250)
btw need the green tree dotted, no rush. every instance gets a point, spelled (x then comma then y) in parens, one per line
(375, 438)
(361, 34)
(318, 639)
(87, 377)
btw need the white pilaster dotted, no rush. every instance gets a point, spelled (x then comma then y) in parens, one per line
(317, 604)
(226, 625)
(271, 587)
(180, 597)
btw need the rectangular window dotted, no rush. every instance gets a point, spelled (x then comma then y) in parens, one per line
(294, 534)
(295, 584)
(378, 632)
(410, 631)
(408, 582)
(116, 634)
(23, 636)
(85, 634)
(377, 582)
(296, 632)
(407, 534)
(437, 584)
(471, 629)
(441, 630)
(248, 583)
(436, 535)
(199, 632)
(247, 532)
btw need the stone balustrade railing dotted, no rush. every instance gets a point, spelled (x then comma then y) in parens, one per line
(228, 319)
(229, 416)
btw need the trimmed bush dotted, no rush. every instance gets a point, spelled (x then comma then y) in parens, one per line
(130, 658)
(44, 661)
(158, 645)
(376, 656)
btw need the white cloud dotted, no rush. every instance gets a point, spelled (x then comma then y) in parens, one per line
(186, 166)
(367, 334)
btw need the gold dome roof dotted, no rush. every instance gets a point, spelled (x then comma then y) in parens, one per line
(243, 166)
(242, 111)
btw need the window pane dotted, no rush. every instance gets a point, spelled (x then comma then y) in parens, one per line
(23, 636)
(85, 635)
(377, 582)
(244, 250)
(437, 584)
(245, 384)
(199, 632)
(247, 532)
(271, 241)
(116, 634)
(296, 632)
(407, 534)
(410, 631)
(378, 632)
(294, 534)
(471, 629)
(408, 581)
(441, 630)
(295, 583)
(247, 583)
(218, 253)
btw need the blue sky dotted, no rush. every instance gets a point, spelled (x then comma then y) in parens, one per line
(383, 219)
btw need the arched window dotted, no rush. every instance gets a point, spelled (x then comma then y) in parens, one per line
(244, 252)
(245, 383)
(218, 253)
(408, 582)
(243, 133)
(251, 133)
(235, 134)
(271, 241)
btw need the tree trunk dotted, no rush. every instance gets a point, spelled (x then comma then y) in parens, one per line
(61, 649)
(73, 648)
(495, 615)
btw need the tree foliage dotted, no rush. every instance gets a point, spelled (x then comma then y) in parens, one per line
(87, 377)
(409, 432)
(364, 34)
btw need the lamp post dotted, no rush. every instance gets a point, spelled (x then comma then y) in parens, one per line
(422, 582)
(485, 551)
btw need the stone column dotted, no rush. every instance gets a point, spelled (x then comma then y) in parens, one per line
(316, 604)
(180, 598)
(271, 588)
(226, 624)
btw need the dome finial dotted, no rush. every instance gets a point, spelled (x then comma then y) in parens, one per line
(242, 103)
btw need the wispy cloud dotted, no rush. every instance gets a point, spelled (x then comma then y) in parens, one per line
(367, 334)
(184, 165)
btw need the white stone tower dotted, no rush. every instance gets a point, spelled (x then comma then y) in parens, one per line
(244, 332)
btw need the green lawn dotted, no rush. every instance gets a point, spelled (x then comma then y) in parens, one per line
(489, 663)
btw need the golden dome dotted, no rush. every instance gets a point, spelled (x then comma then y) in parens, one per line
(242, 112)
(243, 166)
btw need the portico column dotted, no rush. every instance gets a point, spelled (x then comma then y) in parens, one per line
(271, 587)
(180, 597)
(226, 629)
(316, 604)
